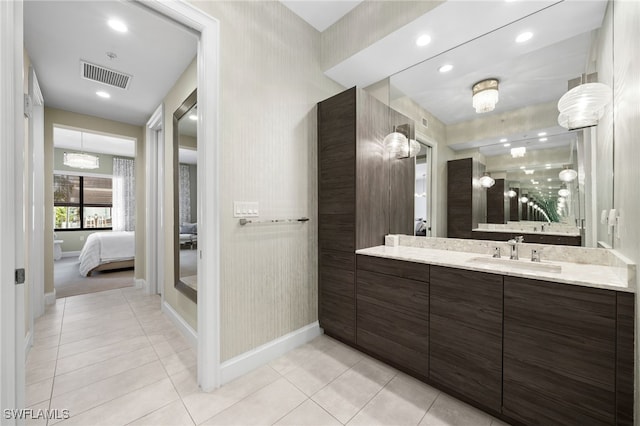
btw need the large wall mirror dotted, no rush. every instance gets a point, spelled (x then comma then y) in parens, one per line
(185, 172)
(520, 141)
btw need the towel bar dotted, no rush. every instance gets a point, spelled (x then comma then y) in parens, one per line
(244, 221)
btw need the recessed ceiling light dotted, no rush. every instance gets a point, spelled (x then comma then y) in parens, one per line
(548, 179)
(526, 36)
(118, 25)
(542, 134)
(445, 68)
(542, 139)
(103, 94)
(193, 117)
(522, 167)
(506, 145)
(423, 40)
(503, 140)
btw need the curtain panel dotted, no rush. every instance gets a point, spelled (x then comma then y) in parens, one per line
(124, 194)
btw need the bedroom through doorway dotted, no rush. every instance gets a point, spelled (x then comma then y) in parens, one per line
(94, 206)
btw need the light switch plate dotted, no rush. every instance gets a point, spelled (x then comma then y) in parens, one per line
(245, 209)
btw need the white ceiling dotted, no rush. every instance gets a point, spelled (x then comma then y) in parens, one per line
(321, 14)
(188, 156)
(155, 51)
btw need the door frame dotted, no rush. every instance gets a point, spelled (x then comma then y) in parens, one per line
(208, 83)
(154, 253)
(12, 306)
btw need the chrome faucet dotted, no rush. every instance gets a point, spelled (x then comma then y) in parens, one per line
(496, 252)
(514, 247)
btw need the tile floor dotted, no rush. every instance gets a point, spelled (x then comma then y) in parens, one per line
(113, 358)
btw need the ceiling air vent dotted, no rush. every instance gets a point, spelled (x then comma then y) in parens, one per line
(104, 75)
(425, 122)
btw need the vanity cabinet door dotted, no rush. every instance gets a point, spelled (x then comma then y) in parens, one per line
(392, 319)
(337, 310)
(559, 353)
(465, 334)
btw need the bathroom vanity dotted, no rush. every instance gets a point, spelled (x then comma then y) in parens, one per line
(533, 343)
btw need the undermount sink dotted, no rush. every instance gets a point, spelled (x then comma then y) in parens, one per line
(517, 264)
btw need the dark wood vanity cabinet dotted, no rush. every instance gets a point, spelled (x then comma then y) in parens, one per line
(393, 312)
(465, 334)
(564, 346)
(354, 177)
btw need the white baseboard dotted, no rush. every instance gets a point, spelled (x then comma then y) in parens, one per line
(244, 363)
(50, 298)
(186, 330)
(70, 253)
(28, 342)
(140, 283)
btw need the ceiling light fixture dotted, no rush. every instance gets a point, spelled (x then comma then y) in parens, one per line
(563, 192)
(118, 25)
(445, 68)
(423, 40)
(511, 193)
(526, 36)
(518, 152)
(524, 199)
(103, 94)
(507, 145)
(567, 174)
(487, 181)
(529, 172)
(504, 140)
(81, 160)
(485, 95)
(542, 139)
(584, 104)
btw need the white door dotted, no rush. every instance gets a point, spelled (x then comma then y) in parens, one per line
(12, 149)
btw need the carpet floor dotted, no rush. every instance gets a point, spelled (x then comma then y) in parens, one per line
(68, 281)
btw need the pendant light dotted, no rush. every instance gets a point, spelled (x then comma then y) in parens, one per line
(487, 181)
(81, 160)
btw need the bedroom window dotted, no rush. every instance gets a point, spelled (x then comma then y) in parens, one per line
(82, 202)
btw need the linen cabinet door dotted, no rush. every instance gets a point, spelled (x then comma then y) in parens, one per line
(465, 334)
(559, 353)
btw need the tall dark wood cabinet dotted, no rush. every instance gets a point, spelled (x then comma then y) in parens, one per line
(497, 202)
(355, 180)
(466, 201)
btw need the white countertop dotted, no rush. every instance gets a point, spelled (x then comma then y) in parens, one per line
(605, 277)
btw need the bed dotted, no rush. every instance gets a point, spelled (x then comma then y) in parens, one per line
(105, 251)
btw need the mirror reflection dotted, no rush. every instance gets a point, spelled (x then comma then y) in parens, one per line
(186, 196)
(514, 131)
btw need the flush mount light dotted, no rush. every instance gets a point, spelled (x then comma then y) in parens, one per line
(567, 174)
(193, 117)
(511, 193)
(529, 172)
(518, 152)
(487, 181)
(506, 145)
(423, 40)
(485, 95)
(542, 139)
(445, 68)
(526, 36)
(118, 25)
(103, 94)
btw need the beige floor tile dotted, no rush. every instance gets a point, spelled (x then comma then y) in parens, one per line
(84, 359)
(312, 376)
(38, 371)
(105, 326)
(46, 342)
(448, 411)
(37, 354)
(98, 393)
(127, 408)
(296, 358)
(346, 395)
(186, 381)
(36, 419)
(107, 339)
(403, 401)
(173, 414)
(308, 414)
(203, 406)
(38, 392)
(179, 361)
(93, 373)
(263, 407)
(90, 319)
(165, 348)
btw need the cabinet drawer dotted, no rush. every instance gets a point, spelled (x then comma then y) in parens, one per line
(393, 293)
(397, 268)
(400, 338)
